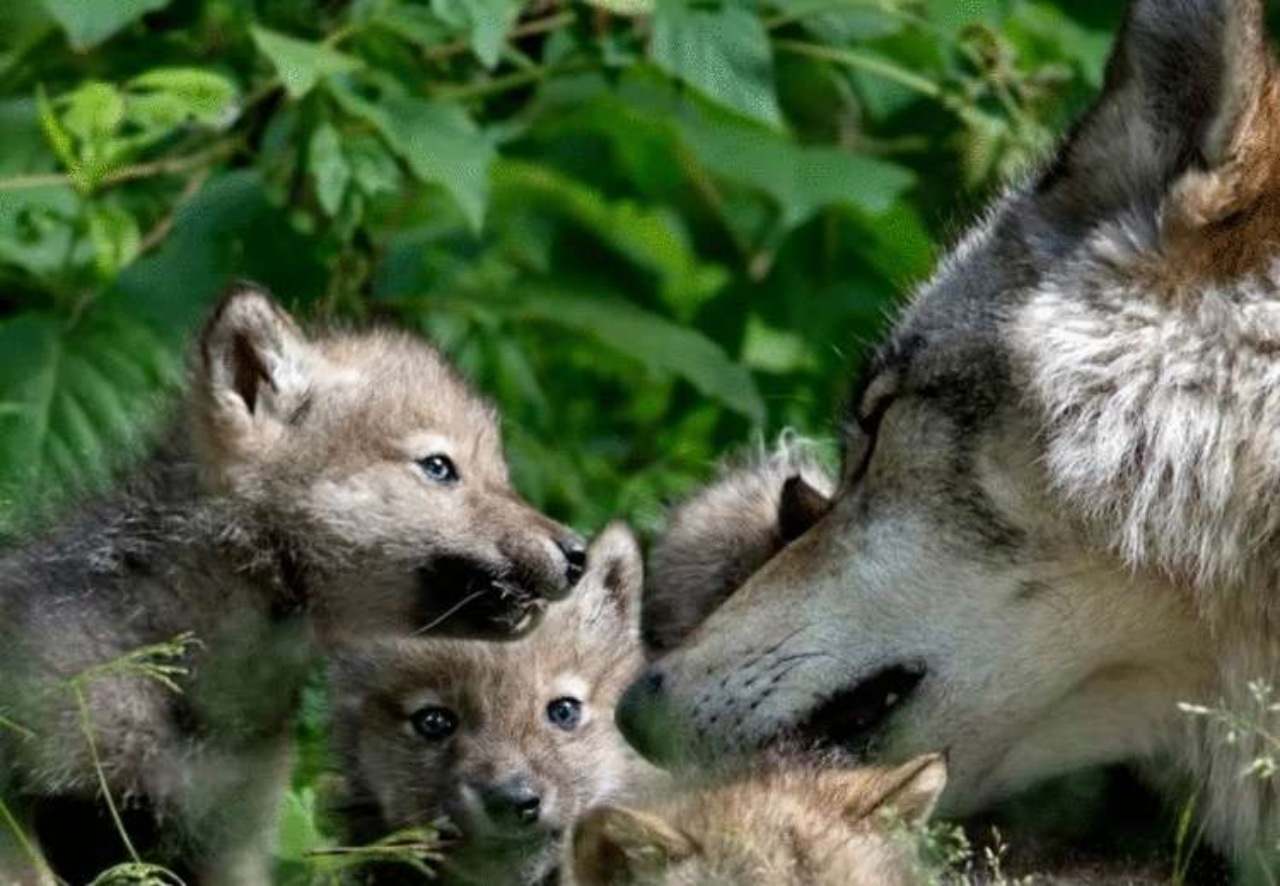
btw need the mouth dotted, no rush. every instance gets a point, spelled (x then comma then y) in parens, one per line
(460, 597)
(850, 720)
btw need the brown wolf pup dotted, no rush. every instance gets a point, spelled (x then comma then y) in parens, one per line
(720, 535)
(508, 741)
(785, 827)
(312, 485)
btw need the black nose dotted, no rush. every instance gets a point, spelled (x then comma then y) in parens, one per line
(643, 720)
(515, 801)
(575, 557)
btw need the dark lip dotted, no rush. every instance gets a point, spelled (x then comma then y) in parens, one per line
(460, 597)
(849, 720)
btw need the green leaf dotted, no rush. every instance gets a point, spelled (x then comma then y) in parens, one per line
(373, 168)
(721, 52)
(166, 98)
(115, 237)
(624, 7)
(298, 833)
(486, 22)
(438, 141)
(654, 239)
(93, 112)
(328, 167)
(300, 64)
(659, 344)
(89, 22)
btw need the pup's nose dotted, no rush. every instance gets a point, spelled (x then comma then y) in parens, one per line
(641, 718)
(575, 557)
(514, 801)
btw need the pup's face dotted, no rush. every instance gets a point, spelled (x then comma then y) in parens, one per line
(508, 741)
(384, 472)
(797, 827)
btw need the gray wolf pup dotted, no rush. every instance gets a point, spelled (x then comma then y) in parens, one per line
(508, 741)
(716, 538)
(790, 826)
(314, 486)
(1059, 511)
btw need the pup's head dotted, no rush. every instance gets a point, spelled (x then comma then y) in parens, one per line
(508, 741)
(776, 828)
(719, 536)
(376, 470)
(1053, 467)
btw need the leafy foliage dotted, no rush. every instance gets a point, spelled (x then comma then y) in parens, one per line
(653, 229)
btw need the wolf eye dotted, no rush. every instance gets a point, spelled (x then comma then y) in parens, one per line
(439, 468)
(565, 713)
(434, 723)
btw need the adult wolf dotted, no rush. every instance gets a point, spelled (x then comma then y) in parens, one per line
(1059, 509)
(324, 484)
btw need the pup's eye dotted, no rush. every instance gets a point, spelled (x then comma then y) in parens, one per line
(434, 723)
(565, 713)
(439, 468)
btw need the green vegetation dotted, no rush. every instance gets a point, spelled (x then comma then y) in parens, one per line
(653, 230)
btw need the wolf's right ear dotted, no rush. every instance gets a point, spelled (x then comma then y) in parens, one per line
(616, 846)
(609, 593)
(1190, 93)
(255, 363)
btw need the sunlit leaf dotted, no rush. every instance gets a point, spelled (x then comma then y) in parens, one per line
(722, 51)
(328, 167)
(300, 64)
(88, 22)
(164, 98)
(486, 23)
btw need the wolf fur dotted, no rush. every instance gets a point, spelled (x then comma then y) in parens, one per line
(717, 537)
(285, 505)
(587, 649)
(790, 825)
(1058, 513)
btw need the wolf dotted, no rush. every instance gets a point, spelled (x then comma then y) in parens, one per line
(508, 742)
(313, 487)
(1055, 541)
(782, 825)
(716, 538)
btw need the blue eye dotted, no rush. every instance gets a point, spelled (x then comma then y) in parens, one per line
(434, 723)
(439, 468)
(565, 713)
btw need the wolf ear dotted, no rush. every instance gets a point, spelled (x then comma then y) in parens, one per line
(799, 507)
(1189, 91)
(911, 790)
(254, 361)
(609, 593)
(613, 846)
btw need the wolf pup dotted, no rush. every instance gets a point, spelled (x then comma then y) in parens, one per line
(508, 741)
(791, 826)
(714, 540)
(327, 485)
(1058, 517)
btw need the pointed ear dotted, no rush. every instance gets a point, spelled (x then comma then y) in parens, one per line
(911, 790)
(1189, 89)
(613, 846)
(255, 363)
(609, 593)
(799, 508)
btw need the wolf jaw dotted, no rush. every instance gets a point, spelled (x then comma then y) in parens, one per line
(284, 506)
(1068, 513)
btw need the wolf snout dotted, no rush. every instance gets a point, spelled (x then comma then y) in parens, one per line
(513, 802)
(643, 719)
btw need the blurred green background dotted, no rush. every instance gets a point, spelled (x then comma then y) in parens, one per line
(653, 230)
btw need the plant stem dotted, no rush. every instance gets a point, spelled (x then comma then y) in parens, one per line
(28, 848)
(859, 62)
(528, 29)
(165, 166)
(87, 728)
(502, 84)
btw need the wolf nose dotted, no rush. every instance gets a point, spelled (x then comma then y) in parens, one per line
(575, 557)
(514, 801)
(643, 721)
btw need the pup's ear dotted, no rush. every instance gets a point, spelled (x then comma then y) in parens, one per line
(613, 846)
(1189, 90)
(799, 507)
(609, 593)
(255, 365)
(911, 790)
